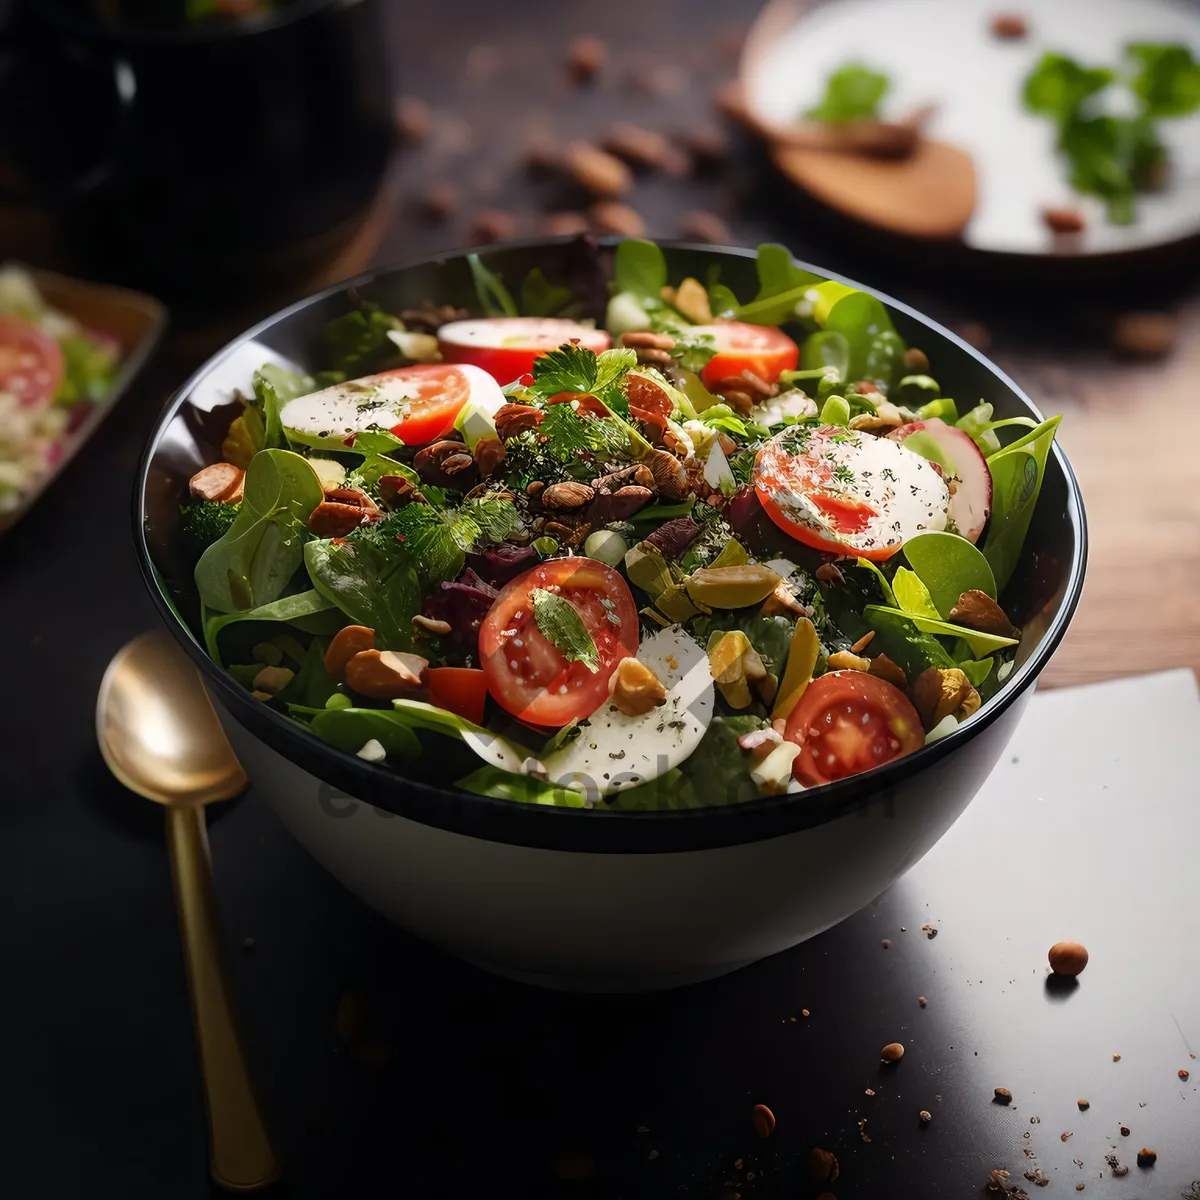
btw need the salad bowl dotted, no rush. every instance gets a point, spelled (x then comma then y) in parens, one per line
(600, 897)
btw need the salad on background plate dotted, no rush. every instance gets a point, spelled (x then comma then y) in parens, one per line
(54, 371)
(708, 550)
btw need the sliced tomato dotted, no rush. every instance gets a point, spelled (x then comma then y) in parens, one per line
(506, 347)
(526, 673)
(435, 394)
(762, 349)
(848, 722)
(460, 690)
(848, 492)
(584, 403)
(31, 363)
(648, 401)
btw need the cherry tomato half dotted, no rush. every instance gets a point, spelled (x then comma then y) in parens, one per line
(460, 690)
(505, 347)
(31, 363)
(526, 673)
(436, 393)
(762, 349)
(848, 722)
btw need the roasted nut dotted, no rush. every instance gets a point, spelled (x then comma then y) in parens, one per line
(1009, 26)
(385, 675)
(707, 143)
(439, 201)
(397, 490)
(734, 664)
(563, 224)
(700, 226)
(1003, 1096)
(412, 118)
(763, 1120)
(586, 57)
(489, 451)
(977, 610)
(670, 479)
(924, 1116)
(1145, 335)
(1064, 220)
(596, 171)
(567, 495)
(830, 573)
(643, 339)
(843, 660)
(611, 216)
(782, 602)
(619, 505)
(1068, 958)
(732, 587)
(222, 482)
(430, 317)
(493, 225)
(885, 416)
(347, 642)
(941, 692)
(691, 299)
(916, 361)
(330, 520)
(644, 147)
(1147, 1157)
(446, 464)
(512, 419)
(431, 625)
(863, 642)
(740, 401)
(456, 464)
(883, 668)
(892, 1052)
(345, 495)
(635, 689)
(534, 488)
(273, 680)
(822, 1166)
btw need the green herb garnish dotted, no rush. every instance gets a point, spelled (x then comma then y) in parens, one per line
(852, 93)
(560, 624)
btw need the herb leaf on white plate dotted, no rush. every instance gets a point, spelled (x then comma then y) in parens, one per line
(1168, 81)
(852, 93)
(561, 625)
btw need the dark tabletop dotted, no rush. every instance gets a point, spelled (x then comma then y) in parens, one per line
(460, 1084)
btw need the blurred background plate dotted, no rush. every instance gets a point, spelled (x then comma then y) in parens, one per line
(944, 52)
(133, 319)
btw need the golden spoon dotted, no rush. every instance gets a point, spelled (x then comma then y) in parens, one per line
(160, 737)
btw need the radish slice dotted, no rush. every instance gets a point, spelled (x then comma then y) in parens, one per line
(506, 347)
(971, 503)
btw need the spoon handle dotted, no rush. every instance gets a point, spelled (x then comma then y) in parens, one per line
(240, 1155)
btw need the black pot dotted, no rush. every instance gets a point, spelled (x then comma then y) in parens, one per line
(190, 160)
(591, 898)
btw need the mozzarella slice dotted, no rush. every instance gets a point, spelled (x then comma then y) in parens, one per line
(787, 404)
(614, 752)
(328, 417)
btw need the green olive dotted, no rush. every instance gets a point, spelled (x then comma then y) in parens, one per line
(732, 587)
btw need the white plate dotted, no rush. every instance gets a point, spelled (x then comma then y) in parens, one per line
(943, 52)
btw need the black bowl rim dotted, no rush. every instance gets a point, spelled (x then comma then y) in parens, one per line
(596, 830)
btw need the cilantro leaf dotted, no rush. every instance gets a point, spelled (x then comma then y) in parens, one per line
(568, 435)
(573, 368)
(1058, 86)
(561, 625)
(431, 540)
(497, 518)
(852, 93)
(1168, 82)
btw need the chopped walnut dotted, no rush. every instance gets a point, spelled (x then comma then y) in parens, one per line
(977, 610)
(635, 689)
(942, 692)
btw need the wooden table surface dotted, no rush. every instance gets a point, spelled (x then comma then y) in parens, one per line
(494, 87)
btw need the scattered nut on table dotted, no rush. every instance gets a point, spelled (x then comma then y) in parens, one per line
(1068, 958)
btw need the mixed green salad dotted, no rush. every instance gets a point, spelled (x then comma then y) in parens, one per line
(715, 549)
(52, 370)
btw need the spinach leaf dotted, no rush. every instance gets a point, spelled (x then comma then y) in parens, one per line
(505, 785)
(948, 565)
(828, 350)
(979, 643)
(254, 561)
(717, 771)
(912, 595)
(357, 343)
(350, 729)
(897, 636)
(313, 684)
(1017, 473)
(853, 92)
(288, 609)
(875, 348)
(274, 386)
(494, 297)
(368, 586)
(541, 298)
(781, 286)
(640, 268)
(722, 301)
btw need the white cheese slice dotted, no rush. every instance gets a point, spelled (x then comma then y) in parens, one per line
(614, 752)
(328, 417)
(787, 404)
